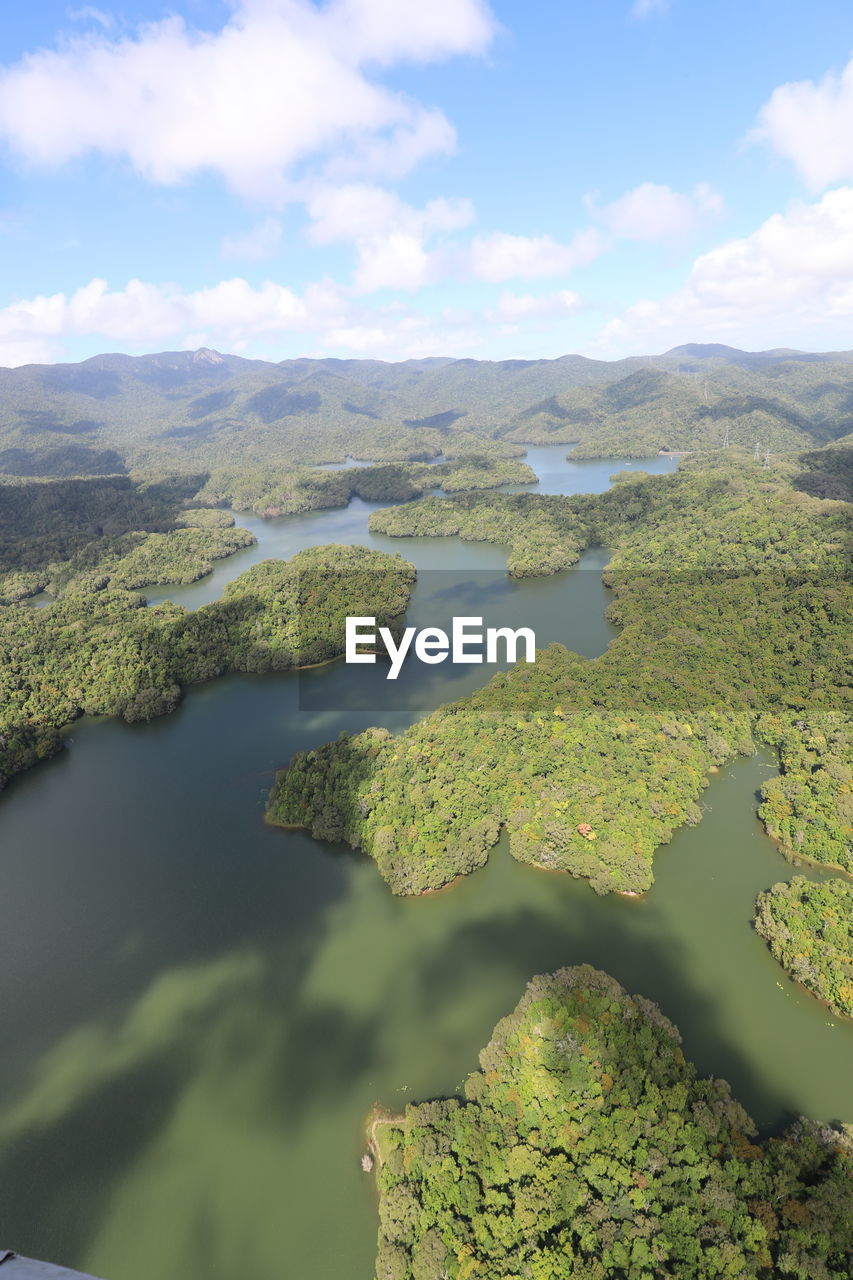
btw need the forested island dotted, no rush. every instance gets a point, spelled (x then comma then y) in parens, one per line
(273, 492)
(102, 652)
(586, 1146)
(809, 927)
(732, 591)
(88, 533)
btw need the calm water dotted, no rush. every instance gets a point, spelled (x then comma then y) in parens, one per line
(349, 462)
(199, 1009)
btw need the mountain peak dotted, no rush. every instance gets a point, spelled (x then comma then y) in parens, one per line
(206, 355)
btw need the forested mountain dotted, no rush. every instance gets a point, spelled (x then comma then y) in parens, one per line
(183, 411)
(587, 1148)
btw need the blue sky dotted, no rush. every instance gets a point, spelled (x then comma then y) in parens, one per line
(395, 178)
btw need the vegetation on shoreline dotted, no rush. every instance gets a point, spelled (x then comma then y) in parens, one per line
(809, 927)
(809, 807)
(102, 652)
(107, 531)
(271, 492)
(114, 531)
(731, 591)
(587, 1147)
(544, 536)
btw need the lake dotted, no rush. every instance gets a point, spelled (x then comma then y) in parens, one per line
(199, 1009)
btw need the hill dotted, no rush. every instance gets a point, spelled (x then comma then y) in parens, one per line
(587, 1148)
(186, 411)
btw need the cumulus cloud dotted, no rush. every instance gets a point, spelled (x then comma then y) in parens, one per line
(500, 256)
(355, 212)
(397, 260)
(148, 314)
(232, 315)
(652, 211)
(258, 243)
(280, 85)
(525, 317)
(266, 319)
(391, 237)
(399, 246)
(812, 125)
(513, 307)
(793, 274)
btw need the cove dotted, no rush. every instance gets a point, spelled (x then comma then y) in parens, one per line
(199, 1009)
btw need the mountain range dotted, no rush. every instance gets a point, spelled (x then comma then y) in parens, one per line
(186, 410)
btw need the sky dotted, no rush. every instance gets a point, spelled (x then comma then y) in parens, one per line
(395, 179)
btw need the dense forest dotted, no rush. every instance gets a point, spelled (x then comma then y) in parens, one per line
(809, 926)
(543, 537)
(94, 532)
(732, 591)
(288, 490)
(191, 411)
(102, 652)
(586, 1148)
(90, 533)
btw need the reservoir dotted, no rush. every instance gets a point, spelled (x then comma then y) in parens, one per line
(199, 1009)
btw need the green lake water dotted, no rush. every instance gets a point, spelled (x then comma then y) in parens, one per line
(199, 1009)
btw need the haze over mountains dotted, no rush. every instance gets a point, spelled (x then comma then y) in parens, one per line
(185, 410)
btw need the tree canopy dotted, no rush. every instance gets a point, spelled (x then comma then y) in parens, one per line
(587, 1148)
(732, 592)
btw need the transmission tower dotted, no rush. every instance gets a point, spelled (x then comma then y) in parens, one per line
(757, 454)
(766, 459)
(726, 439)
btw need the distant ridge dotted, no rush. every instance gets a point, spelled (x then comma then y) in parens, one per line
(215, 360)
(733, 355)
(193, 410)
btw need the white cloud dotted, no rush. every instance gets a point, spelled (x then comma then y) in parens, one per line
(351, 212)
(258, 243)
(525, 317)
(281, 84)
(812, 125)
(401, 247)
(232, 315)
(792, 276)
(147, 314)
(356, 212)
(514, 307)
(649, 8)
(390, 236)
(397, 260)
(88, 13)
(387, 31)
(652, 211)
(499, 256)
(269, 319)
